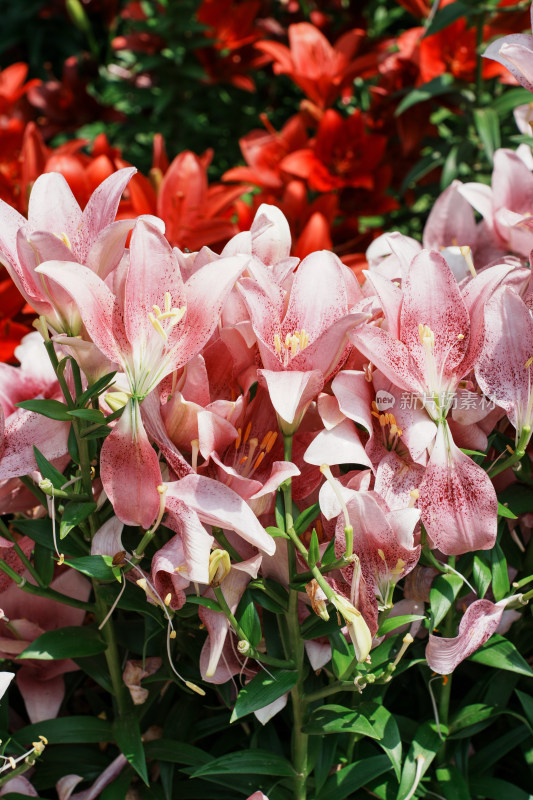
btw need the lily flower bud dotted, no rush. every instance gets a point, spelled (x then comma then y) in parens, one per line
(318, 599)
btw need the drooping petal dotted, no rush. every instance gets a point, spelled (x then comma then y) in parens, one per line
(196, 541)
(129, 469)
(291, 392)
(217, 504)
(457, 500)
(515, 52)
(42, 698)
(477, 626)
(340, 445)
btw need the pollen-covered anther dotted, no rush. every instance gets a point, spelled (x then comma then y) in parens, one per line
(426, 335)
(414, 494)
(293, 344)
(528, 363)
(172, 316)
(63, 238)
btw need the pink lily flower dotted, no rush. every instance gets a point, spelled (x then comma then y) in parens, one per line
(503, 370)
(302, 341)
(159, 323)
(57, 229)
(383, 540)
(479, 622)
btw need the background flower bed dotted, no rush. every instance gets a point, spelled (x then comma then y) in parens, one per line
(348, 152)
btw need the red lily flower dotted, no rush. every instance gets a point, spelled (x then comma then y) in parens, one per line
(318, 68)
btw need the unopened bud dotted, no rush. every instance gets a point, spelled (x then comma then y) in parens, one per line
(243, 647)
(116, 400)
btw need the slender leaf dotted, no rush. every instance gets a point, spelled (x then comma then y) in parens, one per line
(342, 654)
(248, 618)
(89, 414)
(52, 409)
(339, 719)
(304, 519)
(388, 735)
(176, 752)
(344, 782)
(500, 653)
(48, 471)
(503, 511)
(69, 642)
(67, 730)
(98, 566)
(452, 784)
(439, 85)
(128, 737)
(263, 690)
(391, 623)
(481, 575)
(426, 743)
(443, 592)
(40, 530)
(96, 388)
(73, 514)
(496, 789)
(447, 16)
(500, 573)
(247, 762)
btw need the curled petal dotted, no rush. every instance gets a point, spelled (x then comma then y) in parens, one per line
(477, 625)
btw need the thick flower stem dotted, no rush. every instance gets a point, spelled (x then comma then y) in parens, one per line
(51, 594)
(111, 654)
(296, 643)
(518, 454)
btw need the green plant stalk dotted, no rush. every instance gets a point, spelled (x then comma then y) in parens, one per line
(51, 594)
(111, 653)
(518, 454)
(299, 738)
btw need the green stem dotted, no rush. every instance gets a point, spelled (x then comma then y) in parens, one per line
(225, 545)
(333, 688)
(518, 454)
(34, 489)
(51, 594)
(111, 654)
(299, 703)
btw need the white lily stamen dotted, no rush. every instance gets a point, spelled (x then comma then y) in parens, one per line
(466, 252)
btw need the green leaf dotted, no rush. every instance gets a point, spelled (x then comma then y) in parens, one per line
(43, 563)
(426, 743)
(443, 592)
(496, 789)
(99, 567)
(445, 17)
(487, 125)
(439, 85)
(52, 409)
(338, 719)
(98, 433)
(128, 737)
(503, 511)
(500, 573)
(304, 519)
(247, 762)
(48, 471)
(203, 601)
(518, 497)
(470, 715)
(248, 618)
(344, 782)
(314, 551)
(527, 705)
(69, 642)
(73, 514)
(388, 735)
(96, 388)
(329, 554)
(485, 757)
(67, 730)
(270, 595)
(277, 532)
(342, 655)
(391, 623)
(500, 653)
(481, 575)
(452, 784)
(509, 100)
(263, 690)
(40, 530)
(89, 414)
(450, 168)
(421, 169)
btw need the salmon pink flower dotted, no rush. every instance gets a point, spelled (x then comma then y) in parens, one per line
(156, 325)
(302, 340)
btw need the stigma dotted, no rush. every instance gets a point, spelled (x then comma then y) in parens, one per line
(293, 344)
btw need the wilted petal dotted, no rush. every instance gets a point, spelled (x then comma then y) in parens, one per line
(477, 625)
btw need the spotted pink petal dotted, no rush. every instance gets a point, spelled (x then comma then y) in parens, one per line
(196, 541)
(23, 430)
(477, 626)
(42, 698)
(217, 504)
(129, 469)
(457, 500)
(515, 52)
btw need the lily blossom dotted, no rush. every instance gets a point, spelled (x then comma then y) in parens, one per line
(58, 229)
(503, 370)
(160, 324)
(515, 52)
